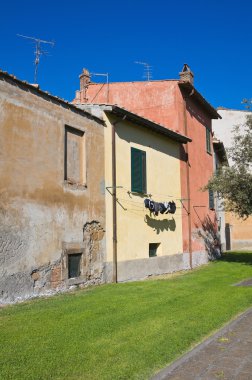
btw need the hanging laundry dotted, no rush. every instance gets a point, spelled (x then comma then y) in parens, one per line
(166, 204)
(156, 208)
(147, 203)
(172, 208)
(162, 208)
(152, 207)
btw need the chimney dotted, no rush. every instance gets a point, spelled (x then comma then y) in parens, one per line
(84, 79)
(186, 75)
(84, 83)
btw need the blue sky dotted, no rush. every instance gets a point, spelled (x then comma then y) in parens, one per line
(213, 37)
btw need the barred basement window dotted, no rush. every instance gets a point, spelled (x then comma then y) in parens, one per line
(74, 261)
(138, 171)
(153, 247)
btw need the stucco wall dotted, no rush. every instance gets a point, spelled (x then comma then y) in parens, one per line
(240, 231)
(42, 216)
(162, 102)
(136, 228)
(155, 100)
(223, 128)
(200, 170)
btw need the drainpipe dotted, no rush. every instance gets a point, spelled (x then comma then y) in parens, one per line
(188, 187)
(114, 198)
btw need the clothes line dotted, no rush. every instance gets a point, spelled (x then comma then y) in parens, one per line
(137, 203)
(150, 195)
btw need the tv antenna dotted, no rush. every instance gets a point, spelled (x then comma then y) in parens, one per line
(147, 70)
(107, 81)
(38, 51)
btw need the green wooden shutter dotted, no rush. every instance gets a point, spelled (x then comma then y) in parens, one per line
(138, 171)
(211, 199)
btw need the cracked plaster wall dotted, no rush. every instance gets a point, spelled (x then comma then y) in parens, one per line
(41, 215)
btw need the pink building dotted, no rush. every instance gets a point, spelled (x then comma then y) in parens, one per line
(179, 106)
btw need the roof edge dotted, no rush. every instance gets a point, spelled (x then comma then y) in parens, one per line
(192, 92)
(36, 90)
(119, 111)
(220, 149)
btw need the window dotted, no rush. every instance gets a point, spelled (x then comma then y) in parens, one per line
(208, 140)
(74, 261)
(138, 171)
(211, 199)
(74, 166)
(153, 247)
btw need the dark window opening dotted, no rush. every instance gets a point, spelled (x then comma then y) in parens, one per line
(153, 247)
(138, 171)
(74, 261)
(228, 236)
(211, 199)
(208, 141)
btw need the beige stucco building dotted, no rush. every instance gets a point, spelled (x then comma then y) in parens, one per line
(238, 232)
(140, 243)
(52, 198)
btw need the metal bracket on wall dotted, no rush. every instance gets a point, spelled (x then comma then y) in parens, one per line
(183, 206)
(117, 187)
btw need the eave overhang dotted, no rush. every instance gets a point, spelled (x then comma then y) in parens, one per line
(137, 119)
(191, 92)
(220, 151)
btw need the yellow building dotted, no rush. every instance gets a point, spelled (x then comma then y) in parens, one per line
(142, 161)
(238, 232)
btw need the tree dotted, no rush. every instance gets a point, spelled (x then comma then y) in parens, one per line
(234, 183)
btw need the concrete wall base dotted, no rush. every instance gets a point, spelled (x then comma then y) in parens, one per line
(25, 285)
(138, 269)
(241, 244)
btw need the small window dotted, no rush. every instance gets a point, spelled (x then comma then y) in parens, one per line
(211, 199)
(74, 166)
(208, 140)
(153, 247)
(138, 171)
(74, 261)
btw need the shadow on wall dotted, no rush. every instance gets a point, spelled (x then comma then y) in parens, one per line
(160, 225)
(141, 136)
(208, 231)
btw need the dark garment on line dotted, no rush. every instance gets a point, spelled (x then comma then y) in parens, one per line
(162, 208)
(172, 207)
(152, 206)
(147, 203)
(156, 208)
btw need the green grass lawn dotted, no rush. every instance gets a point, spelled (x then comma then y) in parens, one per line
(121, 331)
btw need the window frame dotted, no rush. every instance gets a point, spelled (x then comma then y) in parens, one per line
(69, 257)
(71, 181)
(154, 247)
